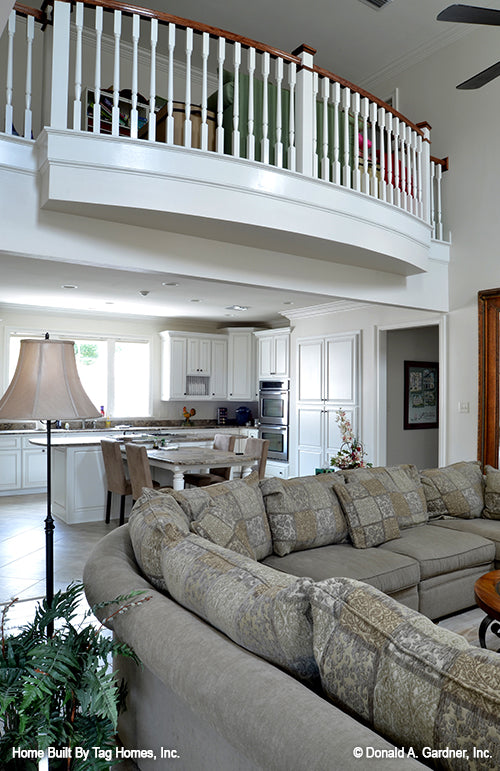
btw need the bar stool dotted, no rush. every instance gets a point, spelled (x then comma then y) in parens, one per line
(223, 442)
(259, 449)
(117, 482)
(139, 469)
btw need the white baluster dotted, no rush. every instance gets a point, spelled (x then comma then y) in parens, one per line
(397, 190)
(420, 207)
(373, 167)
(9, 112)
(346, 176)
(205, 49)
(390, 158)
(365, 110)
(432, 198)
(264, 145)
(336, 146)
(251, 120)
(170, 88)
(136, 21)
(152, 82)
(439, 213)
(236, 100)
(292, 153)
(315, 125)
(220, 104)
(97, 78)
(413, 171)
(278, 148)
(115, 113)
(77, 103)
(325, 163)
(409, 176)
(355, 106)
(382, 185)
(30, 34)
(188, 126)
(403, 174)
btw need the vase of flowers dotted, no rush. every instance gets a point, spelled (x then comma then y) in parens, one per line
(352, 453)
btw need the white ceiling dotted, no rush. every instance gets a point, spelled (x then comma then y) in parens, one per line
(353, 40)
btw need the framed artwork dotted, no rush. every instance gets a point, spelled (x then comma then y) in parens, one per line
(421, 398)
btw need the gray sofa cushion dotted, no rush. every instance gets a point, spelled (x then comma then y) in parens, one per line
(154, 516)
(441, 551)
(369, 509)
(389, 572)
(263, 610)
(402, 484)
(486, 528)
(230, 514)
(455, 490)
(418, 684)
(303, 512)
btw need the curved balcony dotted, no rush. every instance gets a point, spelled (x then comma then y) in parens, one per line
(144, 117)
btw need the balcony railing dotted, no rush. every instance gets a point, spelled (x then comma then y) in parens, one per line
(125, 71)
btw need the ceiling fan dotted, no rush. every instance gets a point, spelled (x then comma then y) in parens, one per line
(470, 14)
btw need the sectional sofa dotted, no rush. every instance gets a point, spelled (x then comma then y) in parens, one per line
(289, 625)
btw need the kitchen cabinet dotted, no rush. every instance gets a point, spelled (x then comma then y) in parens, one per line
(22, 466)
(34, 465)
(241, 374)
(193, 366)
(10, 463)
(273, 353)
(275, 468)
(327, 378)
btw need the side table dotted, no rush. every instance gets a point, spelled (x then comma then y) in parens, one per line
(487, 594)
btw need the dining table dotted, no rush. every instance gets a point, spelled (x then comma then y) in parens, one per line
(182, 460)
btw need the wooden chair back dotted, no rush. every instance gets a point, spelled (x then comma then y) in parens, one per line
(138, 468)
(259, 448)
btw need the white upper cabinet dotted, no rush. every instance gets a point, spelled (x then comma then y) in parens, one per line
(193, 366)
(274, 354)
(241, 380)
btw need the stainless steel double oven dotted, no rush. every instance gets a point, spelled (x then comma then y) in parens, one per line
(274, 404)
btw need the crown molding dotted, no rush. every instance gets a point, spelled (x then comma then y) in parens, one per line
(337, 306)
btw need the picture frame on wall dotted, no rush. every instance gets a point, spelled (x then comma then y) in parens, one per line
(421, 394)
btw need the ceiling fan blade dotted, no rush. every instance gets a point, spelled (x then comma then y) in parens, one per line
(470, 14)
(481, 78)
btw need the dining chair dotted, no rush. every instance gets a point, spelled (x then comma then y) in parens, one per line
(139, 469)
(117, 482)
(259, 449)
(223, 442)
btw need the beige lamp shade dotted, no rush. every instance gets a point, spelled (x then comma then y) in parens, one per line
(46, 385)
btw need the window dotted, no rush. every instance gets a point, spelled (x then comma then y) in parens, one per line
(114, 372)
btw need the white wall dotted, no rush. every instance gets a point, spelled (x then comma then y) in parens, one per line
(464, 127)
(419, 445)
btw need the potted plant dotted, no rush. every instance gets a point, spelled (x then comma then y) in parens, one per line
(352, 453)
(59, 697)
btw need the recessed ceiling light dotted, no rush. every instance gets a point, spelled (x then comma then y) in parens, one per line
(69, 286)
(169, 283)
(288, 302)
(236, 307)
(144, 292)
(109, 302)
(195, 301)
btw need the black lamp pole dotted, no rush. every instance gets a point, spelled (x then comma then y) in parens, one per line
(49, 535)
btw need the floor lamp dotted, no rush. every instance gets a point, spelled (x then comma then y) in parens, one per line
(46, 386)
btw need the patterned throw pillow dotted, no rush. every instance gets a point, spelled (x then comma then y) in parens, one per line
(154, 516)
(261, 609)
(402, 483)
(417, 684)
(303, 513)
(455, 490)
(491, 493)
(370, 503)
(230, 514)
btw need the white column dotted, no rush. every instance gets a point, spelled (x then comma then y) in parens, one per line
(305, 110)
(60, 65)
(427, 179)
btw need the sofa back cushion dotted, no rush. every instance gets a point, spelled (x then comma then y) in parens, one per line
(491, 493)
(154, 516)
(231, 514)
(263, 610)
(455, 490)
(303, 512)
(417, 684)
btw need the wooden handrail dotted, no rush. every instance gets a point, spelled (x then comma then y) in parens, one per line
(361, 91)
(25, 10)
(167, 18)
(444, 162)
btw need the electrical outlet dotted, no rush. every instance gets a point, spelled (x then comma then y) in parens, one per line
(463, 407)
